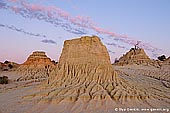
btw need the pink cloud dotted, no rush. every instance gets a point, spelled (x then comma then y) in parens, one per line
(15, 9)
(72, 23)
(81, 21)
(13, 0)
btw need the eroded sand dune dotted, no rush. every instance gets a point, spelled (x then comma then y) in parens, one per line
(36, 67)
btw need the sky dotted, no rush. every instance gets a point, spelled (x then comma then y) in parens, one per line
(31, 25)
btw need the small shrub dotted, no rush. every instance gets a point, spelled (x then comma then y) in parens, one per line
(162, 58)
(54, 62)
(4, 80)
(116, 60)
(5, 69)
(132, 49)
(10, 66)
(6, 62)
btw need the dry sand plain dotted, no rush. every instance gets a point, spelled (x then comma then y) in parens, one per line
(15, 96)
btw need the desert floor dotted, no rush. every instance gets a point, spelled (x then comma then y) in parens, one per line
(14, 97)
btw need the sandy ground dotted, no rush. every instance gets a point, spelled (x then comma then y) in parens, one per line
(14, 97)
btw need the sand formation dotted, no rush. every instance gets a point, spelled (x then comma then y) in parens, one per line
(160, 69)
(1, 66)
(8, 66)
(167, 61)
(137, 56)
(164, 72)
(134, 56)
(37, 66)
(85, 73)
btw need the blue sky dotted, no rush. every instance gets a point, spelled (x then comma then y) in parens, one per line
(143, 20)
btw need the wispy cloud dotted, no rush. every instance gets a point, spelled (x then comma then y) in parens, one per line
(11, 27)
(116, 45)
(47, 41)
(2, 4)
(79, 25)
(111, 44)
(51, 14)
(112, 52)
